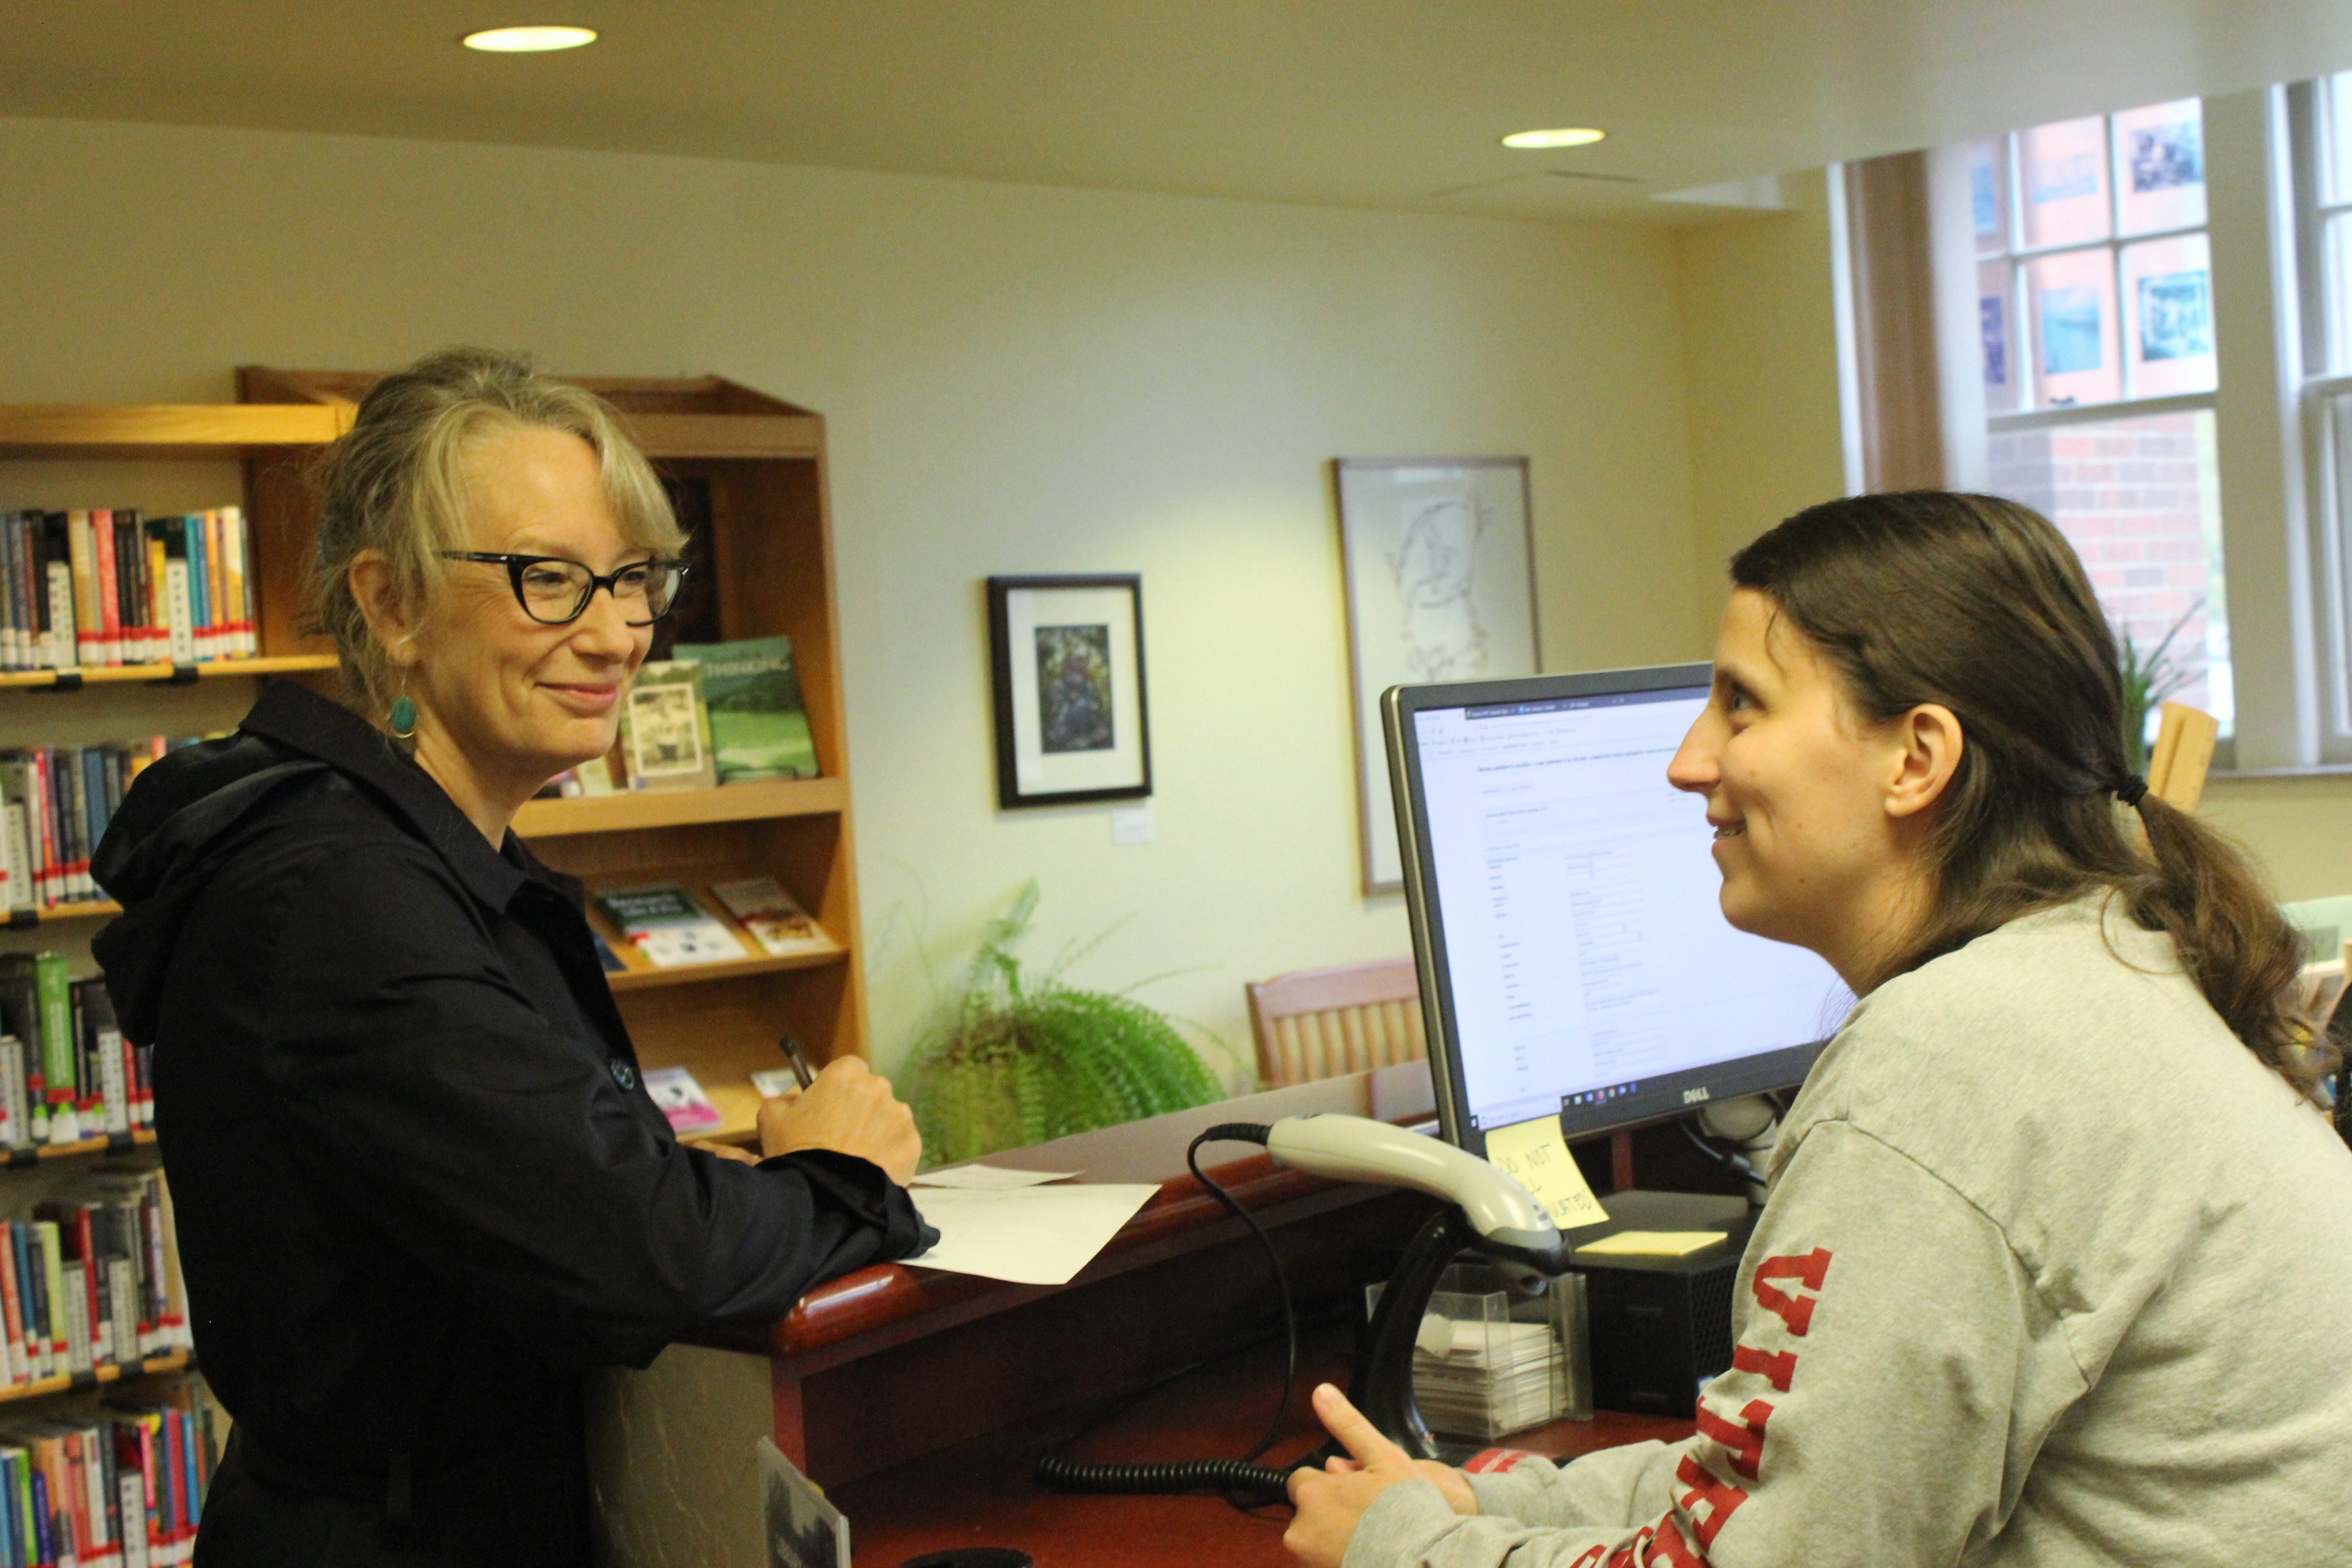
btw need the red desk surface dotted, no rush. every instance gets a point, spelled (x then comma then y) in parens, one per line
(980, 1493)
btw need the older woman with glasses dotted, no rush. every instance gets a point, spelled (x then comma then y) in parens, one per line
(420, 1188)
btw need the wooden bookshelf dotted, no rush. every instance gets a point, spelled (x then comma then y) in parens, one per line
(762, 462)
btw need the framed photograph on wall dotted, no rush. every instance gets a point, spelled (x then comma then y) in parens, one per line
(1067, 658)
(1440, 564)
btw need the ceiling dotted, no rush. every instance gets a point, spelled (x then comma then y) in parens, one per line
(1377, 103)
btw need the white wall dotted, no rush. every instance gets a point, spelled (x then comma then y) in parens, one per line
(1016, 379)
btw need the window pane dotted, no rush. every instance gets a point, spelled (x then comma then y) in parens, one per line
(2338, 288)
(2336, 100)
(2168, 316)
(1988, 193)
(2073, 303)
(2160, 168)
(2064, 168)
(2140, 498)
(1997, 327)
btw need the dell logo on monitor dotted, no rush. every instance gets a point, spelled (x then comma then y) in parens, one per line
(1693, 1096)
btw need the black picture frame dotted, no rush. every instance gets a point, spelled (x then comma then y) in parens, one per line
(1095, 760)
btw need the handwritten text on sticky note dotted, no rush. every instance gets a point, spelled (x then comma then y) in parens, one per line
(1535, 1153)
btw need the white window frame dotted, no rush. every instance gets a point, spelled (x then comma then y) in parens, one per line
(2313, 302)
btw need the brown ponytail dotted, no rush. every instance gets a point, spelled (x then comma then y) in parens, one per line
(1981, 605)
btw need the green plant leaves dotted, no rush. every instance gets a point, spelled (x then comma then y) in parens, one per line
(1021, 1061)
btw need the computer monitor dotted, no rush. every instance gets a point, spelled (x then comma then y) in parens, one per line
(1574, 957)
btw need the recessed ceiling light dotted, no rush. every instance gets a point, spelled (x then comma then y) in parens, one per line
(529, 40)
(1578, 136)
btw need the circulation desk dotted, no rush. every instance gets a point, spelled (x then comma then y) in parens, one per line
(920, 1399)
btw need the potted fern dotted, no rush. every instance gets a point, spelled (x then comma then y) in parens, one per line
(1015, 1058)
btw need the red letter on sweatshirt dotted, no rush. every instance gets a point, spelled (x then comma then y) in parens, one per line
(1810, 1271)
(1671, 1546)
(1746, 1445)
(1778, 1365)
(1721, 1498)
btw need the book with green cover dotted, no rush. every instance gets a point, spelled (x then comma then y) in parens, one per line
(759, 726)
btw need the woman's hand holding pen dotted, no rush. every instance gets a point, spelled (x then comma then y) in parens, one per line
(850, 1110)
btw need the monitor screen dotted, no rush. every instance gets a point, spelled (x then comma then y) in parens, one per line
(1565, 911)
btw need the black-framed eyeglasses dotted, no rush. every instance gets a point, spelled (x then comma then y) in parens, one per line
(555, 592)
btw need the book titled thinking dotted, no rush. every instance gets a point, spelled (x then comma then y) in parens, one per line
(759, 726)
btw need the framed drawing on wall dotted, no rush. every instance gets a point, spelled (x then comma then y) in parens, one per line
(1440, 566)
(1066, 655)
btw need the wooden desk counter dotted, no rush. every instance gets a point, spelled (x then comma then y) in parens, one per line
(979, 1492)
(920, 1399)
(892, 1363)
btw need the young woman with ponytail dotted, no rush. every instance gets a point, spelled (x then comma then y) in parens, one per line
(2057, 1264)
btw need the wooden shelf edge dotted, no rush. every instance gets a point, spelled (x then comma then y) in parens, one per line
(154, 1366)
(42, 914)
(105, 1143)
(680, 808)
(698, 974)
(164, 674)
(161, 430)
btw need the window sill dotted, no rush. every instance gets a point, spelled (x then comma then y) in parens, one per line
(2300, 771)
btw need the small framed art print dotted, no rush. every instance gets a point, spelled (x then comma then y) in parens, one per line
(1067, 660)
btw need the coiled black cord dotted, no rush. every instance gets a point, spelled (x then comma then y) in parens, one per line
(1242, 1476)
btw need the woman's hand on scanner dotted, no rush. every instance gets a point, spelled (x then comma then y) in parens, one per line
(849, 1109)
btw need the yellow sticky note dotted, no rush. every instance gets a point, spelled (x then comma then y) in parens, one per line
(1535, 1153)
(1653, 1243)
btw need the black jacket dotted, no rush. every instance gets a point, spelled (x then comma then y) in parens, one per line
(418, 1185)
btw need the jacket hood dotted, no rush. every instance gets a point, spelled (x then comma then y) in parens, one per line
(161, 849)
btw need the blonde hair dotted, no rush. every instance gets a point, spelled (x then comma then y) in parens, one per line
(396, 483)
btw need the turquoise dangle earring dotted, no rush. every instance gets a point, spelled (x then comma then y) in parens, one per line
(404, 719)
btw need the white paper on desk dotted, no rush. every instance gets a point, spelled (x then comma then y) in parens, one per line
(1030, 1235)
(988, 1178)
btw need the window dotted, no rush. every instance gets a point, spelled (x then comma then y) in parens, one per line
(2094, 303)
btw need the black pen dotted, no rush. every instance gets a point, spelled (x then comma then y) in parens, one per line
(791, 1050)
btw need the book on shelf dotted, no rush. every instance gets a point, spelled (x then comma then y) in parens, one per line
(681, 1099)
(118, 1486)
(90, 1280)
(108, 586)
(774, 918)
(67, 1074)
(759, 725)
(667, 924)
(55, 803)
(666, 728)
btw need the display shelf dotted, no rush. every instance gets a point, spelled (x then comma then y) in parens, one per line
(154, 1366)
(702, 973)
(166, 674)
(164, 430)
(106, 1143)
(631, 811)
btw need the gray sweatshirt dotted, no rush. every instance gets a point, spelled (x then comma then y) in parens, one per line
(2054, 1272)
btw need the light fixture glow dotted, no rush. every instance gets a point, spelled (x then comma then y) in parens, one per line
(1578, 136)
(529, 40)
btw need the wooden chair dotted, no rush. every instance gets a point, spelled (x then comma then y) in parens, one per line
(1322, 1023)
